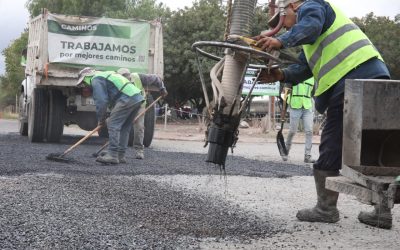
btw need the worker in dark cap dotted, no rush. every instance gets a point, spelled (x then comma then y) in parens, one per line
(142, 82)
(113, 90)
(334, 49)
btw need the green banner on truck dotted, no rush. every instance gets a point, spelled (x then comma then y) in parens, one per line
(100, 42)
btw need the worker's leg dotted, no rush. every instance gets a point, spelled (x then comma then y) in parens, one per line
(295, 115)
(308, 130)
(380, 217)
(127, 126)
(328, 164)
(138, 127)
(115, 123)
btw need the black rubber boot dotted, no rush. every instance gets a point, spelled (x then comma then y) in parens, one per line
(380, 217)
(325, 210)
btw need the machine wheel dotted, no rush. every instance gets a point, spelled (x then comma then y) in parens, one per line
(37, 119)
(149, 122)
(23, 120)
(55, 125)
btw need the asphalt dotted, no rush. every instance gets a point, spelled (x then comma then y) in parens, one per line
(86, 205)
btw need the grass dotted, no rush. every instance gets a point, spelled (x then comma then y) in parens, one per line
(8, 115)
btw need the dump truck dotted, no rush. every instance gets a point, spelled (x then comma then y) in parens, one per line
(59, 46)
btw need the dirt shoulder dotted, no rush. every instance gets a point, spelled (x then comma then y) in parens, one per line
(196, 132)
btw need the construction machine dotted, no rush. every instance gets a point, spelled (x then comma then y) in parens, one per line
(371, 134)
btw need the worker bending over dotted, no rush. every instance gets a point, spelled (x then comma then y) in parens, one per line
(113, 90)
(142, 82)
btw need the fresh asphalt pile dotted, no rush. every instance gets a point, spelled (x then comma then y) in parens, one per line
(84, 204)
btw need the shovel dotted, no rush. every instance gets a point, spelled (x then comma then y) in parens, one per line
(137, 117)
(280, 140)
(61, 157)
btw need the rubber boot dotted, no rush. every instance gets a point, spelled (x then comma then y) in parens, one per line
(380, 217)
(108, 158)
(308, 159)
(121, 157)
(286, 157)
(325, 210)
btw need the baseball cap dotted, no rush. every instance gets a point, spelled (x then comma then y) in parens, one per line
(124, 71)
(85, 72)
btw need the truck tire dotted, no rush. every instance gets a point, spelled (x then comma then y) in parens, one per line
(149, 122)
(23, 120)
(37, 118)
(55, 125)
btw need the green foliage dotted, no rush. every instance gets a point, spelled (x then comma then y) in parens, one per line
(76, 7)
(385, 35)
(205, 21)
(10, 82)
(143, 9)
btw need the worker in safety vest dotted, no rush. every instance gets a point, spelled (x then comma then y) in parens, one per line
(334, 49)
(142, 81)
(111, 89)
(301, 107)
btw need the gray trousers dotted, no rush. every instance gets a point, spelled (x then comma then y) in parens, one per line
(307, 116)
(138, 127)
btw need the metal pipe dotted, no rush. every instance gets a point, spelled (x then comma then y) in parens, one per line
(222, 132)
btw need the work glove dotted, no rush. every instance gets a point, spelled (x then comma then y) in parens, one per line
(271, 75)
(163, 93)
(267, 43)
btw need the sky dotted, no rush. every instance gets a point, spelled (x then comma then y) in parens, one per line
(14, 16)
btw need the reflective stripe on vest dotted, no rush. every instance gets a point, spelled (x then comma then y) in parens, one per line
(301, 95)
(120, 82)
(338, 51)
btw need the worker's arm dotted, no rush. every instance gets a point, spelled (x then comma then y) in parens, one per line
(100, 97)
(298, 72)
(153, 81)
(310, 23)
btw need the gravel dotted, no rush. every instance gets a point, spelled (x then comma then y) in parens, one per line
(87, 205)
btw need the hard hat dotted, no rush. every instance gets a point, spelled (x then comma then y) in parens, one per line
(282, 4)
(85, 72)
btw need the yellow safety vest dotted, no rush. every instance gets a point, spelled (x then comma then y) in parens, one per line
(301, 95)
(337, 51)
(120, 82)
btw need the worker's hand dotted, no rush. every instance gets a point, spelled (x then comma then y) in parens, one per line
(271, 75)
(163, 93)
(267, 43)
(103, 122)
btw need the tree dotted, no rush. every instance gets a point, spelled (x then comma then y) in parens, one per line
(76, 7)
(385, 35)
(10, 82)
(204, 21)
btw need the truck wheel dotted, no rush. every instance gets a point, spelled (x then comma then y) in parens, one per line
(149, 122)
(37, 115)
(55, 125)
(23, 120)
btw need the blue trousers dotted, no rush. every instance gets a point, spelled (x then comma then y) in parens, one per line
(120, 124)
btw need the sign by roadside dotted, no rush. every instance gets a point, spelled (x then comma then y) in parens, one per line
(260, 89)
